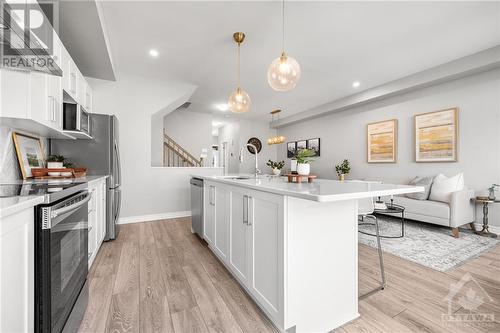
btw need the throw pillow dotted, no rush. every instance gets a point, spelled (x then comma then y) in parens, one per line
(443, 187)
(426, 182)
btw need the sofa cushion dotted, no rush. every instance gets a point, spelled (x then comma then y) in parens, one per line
(424, 207)
(426, 183)
(443, 187)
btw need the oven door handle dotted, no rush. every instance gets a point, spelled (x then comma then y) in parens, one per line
(70, 208)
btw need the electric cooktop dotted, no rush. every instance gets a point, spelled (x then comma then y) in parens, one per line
(51, 190)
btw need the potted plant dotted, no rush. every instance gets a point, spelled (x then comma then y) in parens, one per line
(55, 162)
(303, 161)
(276, 166)
(343, 169)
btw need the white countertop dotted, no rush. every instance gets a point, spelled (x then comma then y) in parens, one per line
(12, 205)
(87, 179)
(322, 190)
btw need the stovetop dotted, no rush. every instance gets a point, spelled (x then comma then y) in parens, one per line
(51, 190)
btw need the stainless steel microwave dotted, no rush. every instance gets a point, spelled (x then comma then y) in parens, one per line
(75, 118)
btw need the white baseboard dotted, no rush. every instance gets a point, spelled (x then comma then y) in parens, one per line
(153, 217)
(493, 228)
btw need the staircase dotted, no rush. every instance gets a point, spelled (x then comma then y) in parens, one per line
(176, 156)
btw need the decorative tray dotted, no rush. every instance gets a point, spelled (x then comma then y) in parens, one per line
(58, 173)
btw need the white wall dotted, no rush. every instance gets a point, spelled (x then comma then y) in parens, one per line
(191, 130)
(237, 133)
(343, 135)
(133, 99)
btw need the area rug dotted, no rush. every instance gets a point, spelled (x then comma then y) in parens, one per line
(426, 244)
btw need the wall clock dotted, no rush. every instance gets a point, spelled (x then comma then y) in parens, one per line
(257, 143)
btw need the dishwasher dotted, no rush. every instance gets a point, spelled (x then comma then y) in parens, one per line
(197, 206)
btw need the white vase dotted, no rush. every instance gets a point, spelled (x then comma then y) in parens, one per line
(303, 169)
(276, 171)
(54, 165)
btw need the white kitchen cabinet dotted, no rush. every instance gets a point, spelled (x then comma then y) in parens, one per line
(209, 213)
(14, 93)
(80, 88)
(88, 97)
(17, 258)
(245, 229)
(265, 247)
(239, 236)
(97, 217)
(46, 99)
(222, 218)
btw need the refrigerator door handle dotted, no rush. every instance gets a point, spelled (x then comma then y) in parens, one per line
(118, 165)
(118, 206)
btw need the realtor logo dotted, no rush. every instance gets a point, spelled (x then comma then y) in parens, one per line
(464, 304)
(27, 33)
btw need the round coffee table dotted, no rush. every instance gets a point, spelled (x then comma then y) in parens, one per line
(391, 209)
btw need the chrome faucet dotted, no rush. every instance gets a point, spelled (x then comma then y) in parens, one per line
(257, 171)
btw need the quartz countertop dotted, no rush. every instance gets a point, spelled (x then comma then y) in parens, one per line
(322, 190)
(14, 204)
(87, 179)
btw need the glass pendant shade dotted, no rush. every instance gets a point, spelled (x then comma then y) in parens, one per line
(283, 73)
(239, 101)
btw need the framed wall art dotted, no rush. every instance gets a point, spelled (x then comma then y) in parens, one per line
(382, 138)
(29, 153)
(302, 144)
(436, 136)
(291, 149)
(314, 144)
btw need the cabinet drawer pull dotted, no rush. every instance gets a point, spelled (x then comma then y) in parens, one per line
(245, 209)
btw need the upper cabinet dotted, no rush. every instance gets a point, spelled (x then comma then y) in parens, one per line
(33, 100)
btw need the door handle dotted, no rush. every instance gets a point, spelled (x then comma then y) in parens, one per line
(245, 209)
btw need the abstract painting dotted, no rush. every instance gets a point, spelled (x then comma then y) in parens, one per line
(382, 139)
(436, 136)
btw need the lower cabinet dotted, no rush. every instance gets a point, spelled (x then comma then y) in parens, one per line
(97, 217)
(17, 266)
(244, 228)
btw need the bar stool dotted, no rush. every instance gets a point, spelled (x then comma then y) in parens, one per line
(365, 211)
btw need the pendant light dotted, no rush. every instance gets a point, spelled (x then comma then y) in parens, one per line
(278, 138)
(239, 101)
(284, 72)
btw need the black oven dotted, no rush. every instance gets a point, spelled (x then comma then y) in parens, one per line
(61, 262)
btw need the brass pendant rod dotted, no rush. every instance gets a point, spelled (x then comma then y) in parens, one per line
(239, 65)
(283, 27)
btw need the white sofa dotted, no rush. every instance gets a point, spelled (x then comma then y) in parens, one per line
(459, 212)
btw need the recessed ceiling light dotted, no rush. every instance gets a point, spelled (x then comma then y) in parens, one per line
(154, 53)
(222, 107)
(355, 84)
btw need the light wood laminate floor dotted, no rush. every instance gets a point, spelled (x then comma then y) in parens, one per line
(158, 277)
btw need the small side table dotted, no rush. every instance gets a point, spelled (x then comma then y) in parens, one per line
(392, 208)
(485, 202)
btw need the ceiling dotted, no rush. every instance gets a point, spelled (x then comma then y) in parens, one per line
(82, 34)
(336, 43)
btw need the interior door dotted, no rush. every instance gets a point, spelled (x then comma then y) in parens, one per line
(238, 261)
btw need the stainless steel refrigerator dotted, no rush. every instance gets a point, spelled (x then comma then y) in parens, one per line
(100, 156)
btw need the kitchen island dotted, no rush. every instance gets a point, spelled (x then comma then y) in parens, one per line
(293, 247)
